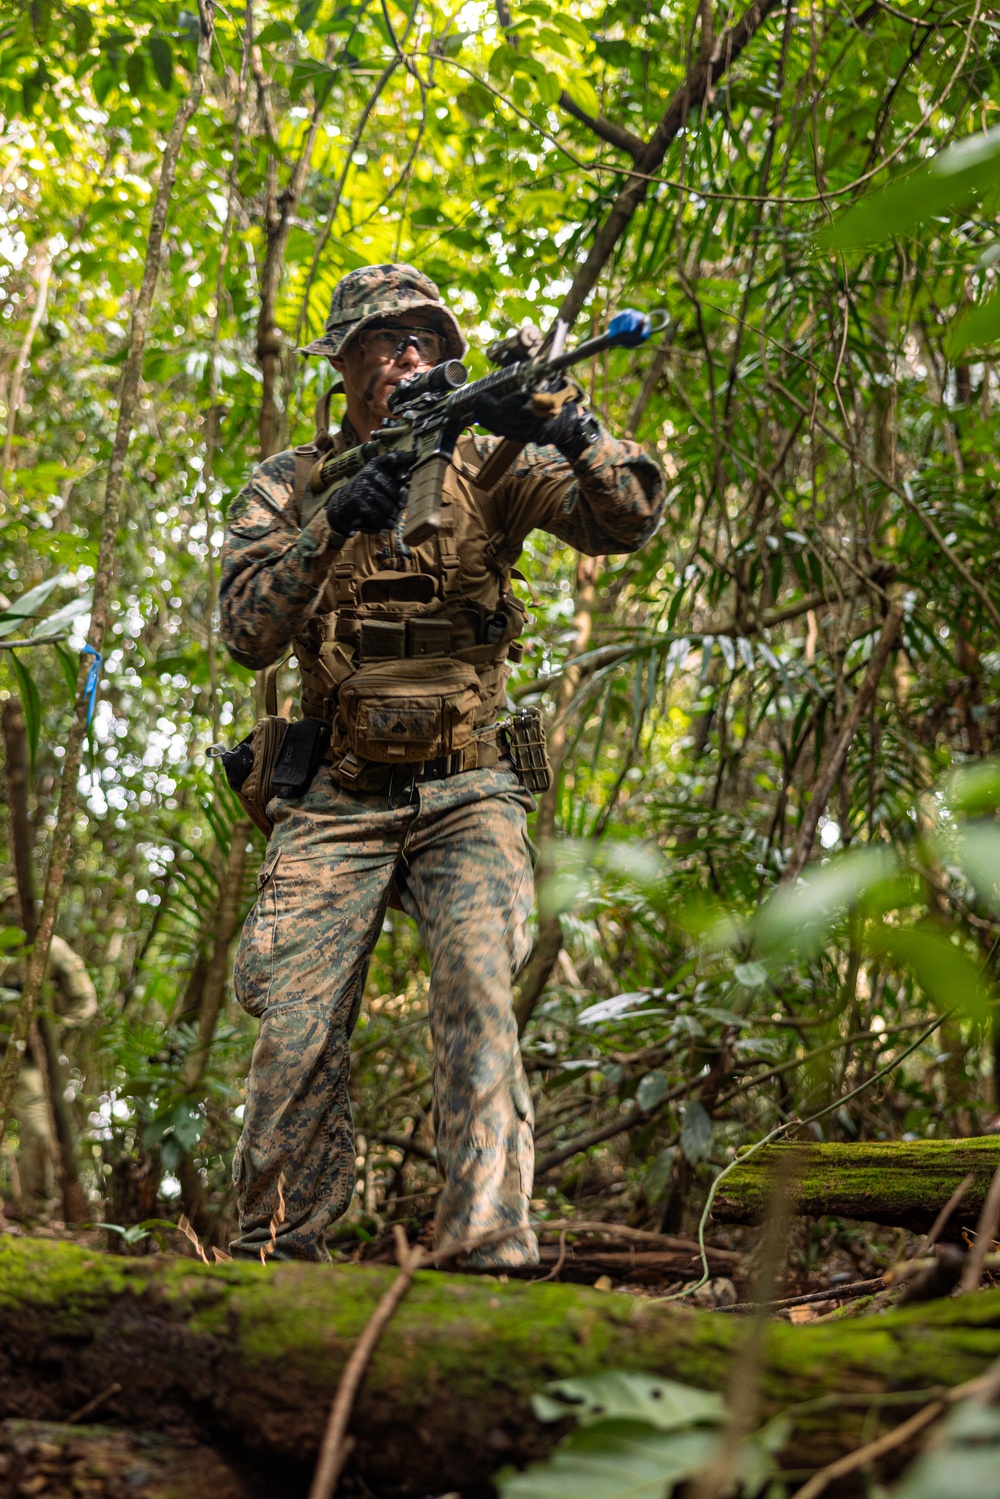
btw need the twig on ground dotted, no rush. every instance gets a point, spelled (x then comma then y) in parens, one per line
(93, 1405)
(623, 1231)
(554, 1272)
(337, 1445)
(984, 1387)
(986, 1232)
(832, 1293)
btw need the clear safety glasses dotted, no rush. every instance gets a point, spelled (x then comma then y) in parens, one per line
(389, 343)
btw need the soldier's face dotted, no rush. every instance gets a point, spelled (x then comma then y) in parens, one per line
(370, 374)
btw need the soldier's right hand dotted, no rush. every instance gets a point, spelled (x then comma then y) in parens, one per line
(373, 500)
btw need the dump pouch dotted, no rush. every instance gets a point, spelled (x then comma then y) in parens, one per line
(403, 711)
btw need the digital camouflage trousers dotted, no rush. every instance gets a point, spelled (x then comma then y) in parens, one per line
(459, 857)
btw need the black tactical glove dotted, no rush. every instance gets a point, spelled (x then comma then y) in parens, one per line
(512, 416)
(373, 500)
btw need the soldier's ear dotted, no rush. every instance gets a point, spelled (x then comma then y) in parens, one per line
(336, 362)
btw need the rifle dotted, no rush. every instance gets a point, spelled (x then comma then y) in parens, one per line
(430, 411)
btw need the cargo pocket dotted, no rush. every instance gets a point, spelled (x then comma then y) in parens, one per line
(253, 970)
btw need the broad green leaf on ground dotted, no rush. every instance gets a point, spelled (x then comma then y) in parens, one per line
(615, 1459)
(963, 1462)
(621, 1393)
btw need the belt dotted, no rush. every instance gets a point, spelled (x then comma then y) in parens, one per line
(373, 777)
(443, 766)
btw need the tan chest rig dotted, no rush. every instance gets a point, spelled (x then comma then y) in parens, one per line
(407, 656)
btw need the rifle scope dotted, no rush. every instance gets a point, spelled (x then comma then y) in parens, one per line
(436, 382)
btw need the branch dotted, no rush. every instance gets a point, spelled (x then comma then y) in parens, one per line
(696, 87)
(615, 135)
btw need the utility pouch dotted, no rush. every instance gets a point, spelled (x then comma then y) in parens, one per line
(524, 735)
(302, 749)
(249, 769)
(410, 710)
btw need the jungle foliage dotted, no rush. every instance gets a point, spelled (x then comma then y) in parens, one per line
(802, 664)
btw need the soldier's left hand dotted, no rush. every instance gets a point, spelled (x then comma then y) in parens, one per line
(512, 416)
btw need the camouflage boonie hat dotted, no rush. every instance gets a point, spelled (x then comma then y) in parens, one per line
(372, 292)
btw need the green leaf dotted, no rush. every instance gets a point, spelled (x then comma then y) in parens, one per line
(12, 936)
(618, 1393)
(652, 1089)
(549, 88)
(161, 54)
(83, 29)
(979, 856)
(571, 27)
(964, 1462)
(70, 670)
(135, 72)
(53, 623)
(278, 31)
(976, 328)
(945, 972)
(613, 1460)
(581, 91)
(956, 175)
(28, 605)
(750, 975)
(696, 1132)
(797, 917)
(975, 789)
(30, 704)
(656, 1182)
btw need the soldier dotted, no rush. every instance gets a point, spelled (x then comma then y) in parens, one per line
(412, 643)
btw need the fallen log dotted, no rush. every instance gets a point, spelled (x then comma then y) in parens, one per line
(245, 1359)
(902, 1183)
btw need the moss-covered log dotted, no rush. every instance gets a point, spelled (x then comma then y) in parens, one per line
(246, 1358)
(903, 1183)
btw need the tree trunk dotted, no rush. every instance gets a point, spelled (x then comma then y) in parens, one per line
(249, 1357)
(899, 1182)
(128, 404)
(226, 914)
(44, 1040)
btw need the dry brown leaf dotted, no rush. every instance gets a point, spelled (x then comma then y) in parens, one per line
(192, 1238)
(276, 1220)
(220, 1256)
